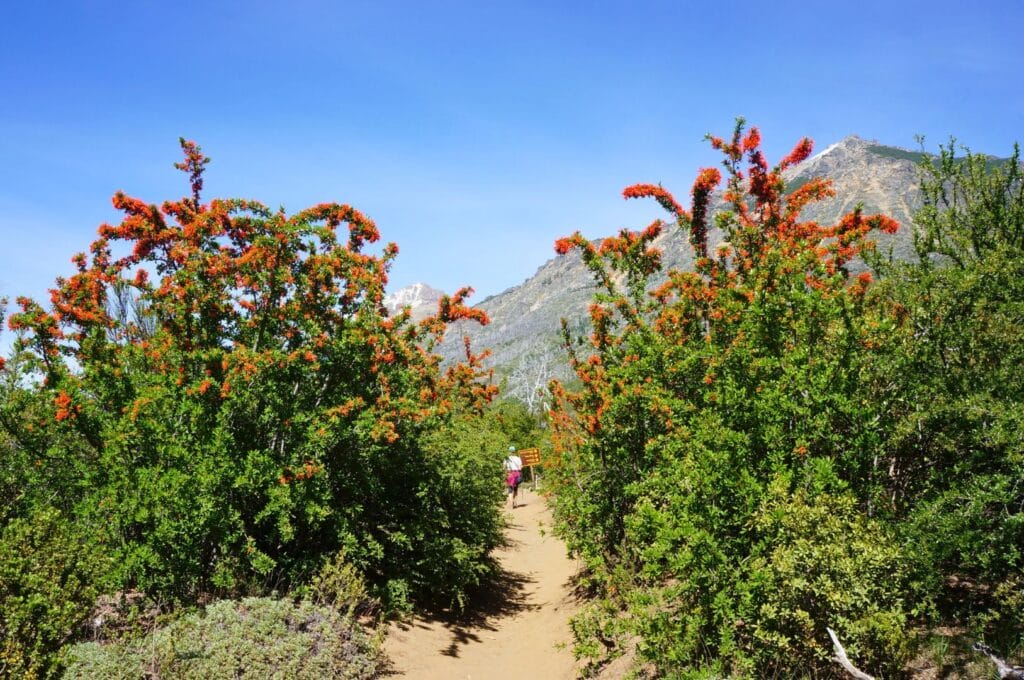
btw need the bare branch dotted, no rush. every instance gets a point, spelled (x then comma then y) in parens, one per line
(844, 660)
(1006, 671)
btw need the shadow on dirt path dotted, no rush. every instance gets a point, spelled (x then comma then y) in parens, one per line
(518, 624)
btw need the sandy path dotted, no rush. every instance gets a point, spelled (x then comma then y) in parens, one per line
(522, 633)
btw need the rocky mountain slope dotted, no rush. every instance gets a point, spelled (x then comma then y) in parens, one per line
(524, 334)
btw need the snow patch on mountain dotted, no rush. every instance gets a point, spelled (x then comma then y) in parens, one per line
(420, 297)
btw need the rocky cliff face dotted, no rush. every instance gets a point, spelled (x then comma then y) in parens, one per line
(881, 178)
(524, 334)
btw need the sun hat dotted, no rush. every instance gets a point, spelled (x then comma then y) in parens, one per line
(511, 449)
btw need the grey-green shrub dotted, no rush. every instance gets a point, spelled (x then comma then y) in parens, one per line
(256, 638)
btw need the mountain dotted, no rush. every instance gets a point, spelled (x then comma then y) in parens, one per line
(421, 298)
(524, 334)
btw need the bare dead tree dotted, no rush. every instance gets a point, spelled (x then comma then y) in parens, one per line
(131, 313)
(529, 378)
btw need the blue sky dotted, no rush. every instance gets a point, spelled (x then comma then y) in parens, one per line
(474, 133)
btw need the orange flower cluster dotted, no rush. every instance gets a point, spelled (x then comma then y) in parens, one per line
(766, 245)
(232, 299)
(707, 180)
(799, 154)
(663, 197)
(65, 409)
(306, 472)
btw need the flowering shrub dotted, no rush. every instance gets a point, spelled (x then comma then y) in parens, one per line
(219, 385)
(714, 412)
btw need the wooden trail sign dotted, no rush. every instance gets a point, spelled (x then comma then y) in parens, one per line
(530, 458)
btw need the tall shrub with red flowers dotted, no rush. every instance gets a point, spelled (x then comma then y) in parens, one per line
(219, 385)
(706, 456)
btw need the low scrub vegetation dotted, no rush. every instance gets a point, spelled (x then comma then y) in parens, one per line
(250, 638)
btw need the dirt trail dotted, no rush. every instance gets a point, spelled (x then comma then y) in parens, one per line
(520, 632)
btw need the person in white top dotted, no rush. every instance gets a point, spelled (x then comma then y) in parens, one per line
(513, 474)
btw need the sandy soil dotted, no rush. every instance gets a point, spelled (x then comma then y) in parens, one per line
(522, 631)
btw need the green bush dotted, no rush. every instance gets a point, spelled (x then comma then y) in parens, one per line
(339, 585)
(727, 575)
(51, 573)
(465, 490)
(768, 445)
(824, 564)
(253, 638)
(954, 444)
(232, 402)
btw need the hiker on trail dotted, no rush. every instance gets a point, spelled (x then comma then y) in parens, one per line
(513, 474)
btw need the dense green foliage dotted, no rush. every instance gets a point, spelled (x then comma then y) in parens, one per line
(253, 638)
(956, 421)
(51, 572)
(767, 445)
(218, 401)
(897, 153)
